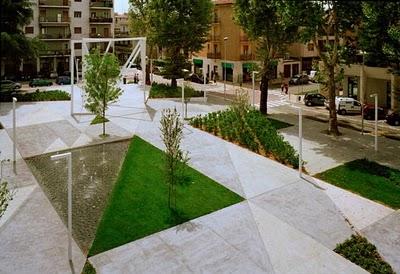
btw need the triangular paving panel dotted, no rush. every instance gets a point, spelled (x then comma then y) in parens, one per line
(291, 251)
(57, 145)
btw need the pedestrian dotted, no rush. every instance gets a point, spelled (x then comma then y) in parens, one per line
(212, 75)
(282, 87)
(215, 77)
(286, 88)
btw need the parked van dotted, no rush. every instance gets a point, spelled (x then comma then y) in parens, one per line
(346, 105)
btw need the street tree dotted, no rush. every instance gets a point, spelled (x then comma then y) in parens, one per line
(265, 23)
(332, 26)
(175, 158)
(14, 15)
(379, 38)
(180, 27)
(102, 71)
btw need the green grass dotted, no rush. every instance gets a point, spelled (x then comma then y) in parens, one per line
(50, 95)
(358, 250)
(369, 179)
(166, 91)
(88, 268)
(139, 203)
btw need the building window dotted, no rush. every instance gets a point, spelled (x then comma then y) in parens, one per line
(310, 47)
(78, 0)
(78, 46)
(28, 30)
(78, 30)
(77, 14)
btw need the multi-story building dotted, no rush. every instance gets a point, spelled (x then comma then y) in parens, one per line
(228, 48)
(122, 48)
(56, 22)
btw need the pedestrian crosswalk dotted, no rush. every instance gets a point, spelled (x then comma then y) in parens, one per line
(276, 99)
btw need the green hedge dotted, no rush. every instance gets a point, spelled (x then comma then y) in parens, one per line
(250, 129)
(166, 91)
(50, 95)
(358, 250)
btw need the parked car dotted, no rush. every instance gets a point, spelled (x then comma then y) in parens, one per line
(314, 99)
(64, 80)
(197, 79)
(346, 105)
(393, 119)
(53, 75)
(9, 85)
(37, 82)
(299, 80)
(369, 112)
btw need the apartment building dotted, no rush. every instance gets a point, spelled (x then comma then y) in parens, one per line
(230, 49)
(56, 22)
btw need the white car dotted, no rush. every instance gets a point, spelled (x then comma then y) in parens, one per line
(345, 105)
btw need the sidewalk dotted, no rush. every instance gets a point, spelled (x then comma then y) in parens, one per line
(285, 225)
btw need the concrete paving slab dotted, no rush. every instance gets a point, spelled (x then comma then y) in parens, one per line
(35, 241)
(360, 211)
(385, 235)
(291, 251)
(308, 210)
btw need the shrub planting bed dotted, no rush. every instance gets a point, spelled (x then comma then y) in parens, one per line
(49, 95)
(358, 250)
(368, 179)
(251, 129)
(166, 91)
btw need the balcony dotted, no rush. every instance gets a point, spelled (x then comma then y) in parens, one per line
(59, 36)
(214, 38)
(121, 34)
(54, 3)
(101, 4)
(214, 55)
(100, 20)
(54, 20)
(60, 52)
(99, 35)
(247, 56)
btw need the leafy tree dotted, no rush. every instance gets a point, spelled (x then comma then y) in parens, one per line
(180, 27)
(380, 39)
(14, 15)
(175, 158)
(330, 24)
(265, 23)
(101, 76)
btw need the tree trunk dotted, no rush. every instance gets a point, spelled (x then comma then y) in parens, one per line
(332, 125)
(174, 83)
(395, 92)
(264, 94)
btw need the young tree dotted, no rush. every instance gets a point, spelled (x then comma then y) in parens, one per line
(101, 76)
(380, 39)
(331, 25)
(181, 28)
(14, 15)
(264, 22)
(175, 158)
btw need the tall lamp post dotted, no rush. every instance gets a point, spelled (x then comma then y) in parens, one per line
(300, 140)
(183, 93)
(254, 86)
(68, 157)
(14, 137)
(224, 68)
(362, 94)
(376, 119)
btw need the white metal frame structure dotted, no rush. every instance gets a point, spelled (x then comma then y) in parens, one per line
(138, 51)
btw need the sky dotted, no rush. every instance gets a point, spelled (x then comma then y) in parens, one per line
(121, 6)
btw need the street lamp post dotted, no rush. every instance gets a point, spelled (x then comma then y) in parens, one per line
(183, 93)
(224, 68)
(68, 157)
(376, 119)
(254, 86)
(14, 136)
(300, 140)
(362, 94)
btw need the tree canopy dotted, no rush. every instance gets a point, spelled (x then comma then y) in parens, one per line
(101, 76)
(180, 27)
(266, 23)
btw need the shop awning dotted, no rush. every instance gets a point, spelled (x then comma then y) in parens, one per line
(198, 62)
(227, 65)
(248, 65)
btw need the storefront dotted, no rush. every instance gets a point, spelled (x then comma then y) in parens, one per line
(247, 70)
(227, 69)
(198, 66)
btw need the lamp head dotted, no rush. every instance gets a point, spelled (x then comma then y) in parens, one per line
(225, 38)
